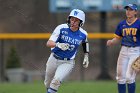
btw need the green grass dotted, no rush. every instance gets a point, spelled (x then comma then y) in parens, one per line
(89, 87)
(67, 87)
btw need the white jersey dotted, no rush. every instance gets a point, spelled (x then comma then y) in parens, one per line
(64, 34)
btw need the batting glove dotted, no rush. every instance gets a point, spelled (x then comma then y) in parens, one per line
(62, 46)
(86, 61)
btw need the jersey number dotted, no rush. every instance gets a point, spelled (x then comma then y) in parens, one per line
(135, 39)
(71, 47)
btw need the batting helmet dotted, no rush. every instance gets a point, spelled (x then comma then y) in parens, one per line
(78, 14)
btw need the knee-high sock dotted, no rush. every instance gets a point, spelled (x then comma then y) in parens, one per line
(121, 88)
(131, 87)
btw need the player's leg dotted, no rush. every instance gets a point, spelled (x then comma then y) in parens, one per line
(50, 70)
(131, 87)
(130, 78)
(121, 71)
(131, 74)
(63, 70)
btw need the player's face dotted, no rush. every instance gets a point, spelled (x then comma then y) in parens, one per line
(130, 13)
(74, 23)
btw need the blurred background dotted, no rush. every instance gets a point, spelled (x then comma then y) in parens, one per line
(24, 60)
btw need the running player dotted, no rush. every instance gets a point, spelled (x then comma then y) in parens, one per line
(64, 43)
(128, 31)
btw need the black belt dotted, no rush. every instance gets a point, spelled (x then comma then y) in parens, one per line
(57, 57)
(128, 46)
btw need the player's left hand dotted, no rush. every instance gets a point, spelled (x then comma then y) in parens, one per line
(86, 61)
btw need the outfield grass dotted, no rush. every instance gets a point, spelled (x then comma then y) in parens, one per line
(67, 87)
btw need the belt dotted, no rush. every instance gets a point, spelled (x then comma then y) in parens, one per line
(128, 46)
(57, 57)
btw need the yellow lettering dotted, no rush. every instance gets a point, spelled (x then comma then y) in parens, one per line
(135, 39)
(128, 31)
(123, 33)
(134, 31)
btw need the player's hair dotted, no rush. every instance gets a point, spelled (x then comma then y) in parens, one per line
(137, 13)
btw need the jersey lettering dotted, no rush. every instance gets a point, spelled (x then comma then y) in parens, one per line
(71, 40)
(129, 31)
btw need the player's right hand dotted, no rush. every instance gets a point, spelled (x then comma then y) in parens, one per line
(109, 43)
(62, 46)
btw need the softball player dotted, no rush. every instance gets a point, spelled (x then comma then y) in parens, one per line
(128, 31)
(64, 43)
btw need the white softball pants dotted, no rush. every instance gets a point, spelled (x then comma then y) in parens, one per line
(125, 74)
(57, 71)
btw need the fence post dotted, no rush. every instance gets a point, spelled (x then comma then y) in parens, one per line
(104, 70)
(2, 61)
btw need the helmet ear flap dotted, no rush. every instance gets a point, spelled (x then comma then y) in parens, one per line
(81, 23)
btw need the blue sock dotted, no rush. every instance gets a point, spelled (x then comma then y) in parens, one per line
(131, 87)
(122, 88)
(51, 90)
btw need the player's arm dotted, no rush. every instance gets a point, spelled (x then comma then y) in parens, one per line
(53, 38)
(86, 53)
(50, 44)
(117, 36)
(62, 46)
(85, 46)
(113, 41)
